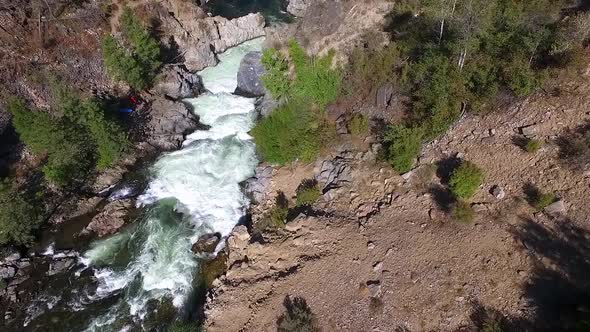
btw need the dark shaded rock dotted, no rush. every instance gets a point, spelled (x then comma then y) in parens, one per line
(498, 192)
(60, 266)
(384, 95)
(110, 220)
(257, 186)
(206, 243)
(249, 76)
(176, 82)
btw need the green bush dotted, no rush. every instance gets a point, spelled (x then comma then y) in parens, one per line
(369, 69)
(359, 125)
(543, 200)
(533, 145)
(291, 132)
(463, 212)
(465, 180)
(19, 216)
(298, 317)
(137, 65)
(315, 79)
(276, 217)
(308, 193)
(520, 77)
(276, 79)
(403, 147)
(2, 284)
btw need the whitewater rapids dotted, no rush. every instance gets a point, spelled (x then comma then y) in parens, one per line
(193, 191)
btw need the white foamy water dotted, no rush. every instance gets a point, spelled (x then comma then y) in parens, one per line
(193, 191)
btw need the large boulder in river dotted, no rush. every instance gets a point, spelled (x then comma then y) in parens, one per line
(169, 122)
(110, 220)
(199, 37)
(176, 82)
(249, 76)
(206, 243)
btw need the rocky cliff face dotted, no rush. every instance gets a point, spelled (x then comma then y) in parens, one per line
(199, 37)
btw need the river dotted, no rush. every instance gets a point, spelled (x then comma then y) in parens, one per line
(125, 281)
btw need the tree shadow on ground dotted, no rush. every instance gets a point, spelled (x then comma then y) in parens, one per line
(558, 291)
(443, 197)
(446, 167)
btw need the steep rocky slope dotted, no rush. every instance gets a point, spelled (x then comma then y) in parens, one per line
(386, 254)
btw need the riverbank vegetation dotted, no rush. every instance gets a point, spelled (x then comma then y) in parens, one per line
(19, 216)
(299, 128)
(136, 57)
(453, 57)
(77, 136)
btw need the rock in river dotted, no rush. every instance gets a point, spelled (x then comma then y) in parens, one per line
(206, 243)
(110, 220)
(251, 70)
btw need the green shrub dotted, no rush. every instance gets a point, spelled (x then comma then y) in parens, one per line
(138, 65)
(308, 193)
(533, 145)
(369, 69)
(2, 284)
(359, 125)
(298, 317)
(276, 79)
(276, 217)
(293, 131)
(19, 216)
(543, 200)
(520, 77)
(463, 212)
(213, 269)
(404, 145)
(465, 180)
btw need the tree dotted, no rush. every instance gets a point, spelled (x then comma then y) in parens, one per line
(107, 135)
(19, 218)
(138, 64)
(63, 142)
(465, 180)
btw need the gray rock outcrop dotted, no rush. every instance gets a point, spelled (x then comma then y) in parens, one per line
(169, 123)
(176, 82)
(199, 37)
(333, 173)
(257, 186)
(249, 76)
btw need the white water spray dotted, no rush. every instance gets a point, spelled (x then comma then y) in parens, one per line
(193, 191)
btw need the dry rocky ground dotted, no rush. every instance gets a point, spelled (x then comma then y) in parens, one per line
(385, 256)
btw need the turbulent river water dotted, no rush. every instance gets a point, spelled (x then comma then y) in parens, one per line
(192, 191)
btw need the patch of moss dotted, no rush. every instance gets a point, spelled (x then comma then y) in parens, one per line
(213, 269)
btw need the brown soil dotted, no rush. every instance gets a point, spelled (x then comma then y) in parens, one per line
(435, 273)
